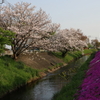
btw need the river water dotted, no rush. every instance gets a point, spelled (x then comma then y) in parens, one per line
(45, 88)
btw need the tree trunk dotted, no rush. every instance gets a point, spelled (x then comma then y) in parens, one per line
(64, 53)
(15, 55)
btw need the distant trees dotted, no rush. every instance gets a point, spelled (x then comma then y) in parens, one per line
(35, 29)
(95, 43)
(5, 38)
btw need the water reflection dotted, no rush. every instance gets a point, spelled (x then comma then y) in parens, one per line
(45, 88)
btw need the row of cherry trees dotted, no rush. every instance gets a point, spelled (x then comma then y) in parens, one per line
(65, 40)
(35, 29)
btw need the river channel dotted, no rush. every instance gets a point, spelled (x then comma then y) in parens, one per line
(45, 88)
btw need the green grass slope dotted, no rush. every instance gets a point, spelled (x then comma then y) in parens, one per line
(14, 74)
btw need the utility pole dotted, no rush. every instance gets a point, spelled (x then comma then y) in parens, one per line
(2, 1)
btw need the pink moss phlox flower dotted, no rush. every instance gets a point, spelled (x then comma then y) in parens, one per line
(90, 87)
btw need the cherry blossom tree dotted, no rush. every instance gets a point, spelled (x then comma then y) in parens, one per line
(29, 25)
(83, 37)
(53, 28)
(64, 41)
(35, 29)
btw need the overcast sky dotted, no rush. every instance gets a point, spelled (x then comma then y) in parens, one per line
(78, 14)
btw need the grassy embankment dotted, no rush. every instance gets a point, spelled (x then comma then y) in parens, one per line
(14, 74)
(70, 56)
(73, 55)
(68, 91)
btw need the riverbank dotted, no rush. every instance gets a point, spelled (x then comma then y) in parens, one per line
(14, 74)
(69, 90)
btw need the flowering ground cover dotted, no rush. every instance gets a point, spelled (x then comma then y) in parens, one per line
(90, 87)
(68, 91)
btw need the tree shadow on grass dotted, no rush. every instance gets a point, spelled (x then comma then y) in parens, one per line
(75, 55)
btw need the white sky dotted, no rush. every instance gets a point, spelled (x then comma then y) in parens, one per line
(82, 14)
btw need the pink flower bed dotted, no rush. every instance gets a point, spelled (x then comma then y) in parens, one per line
(90, 88)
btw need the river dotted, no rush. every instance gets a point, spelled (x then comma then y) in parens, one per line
(45, 88)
